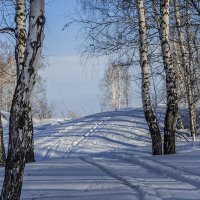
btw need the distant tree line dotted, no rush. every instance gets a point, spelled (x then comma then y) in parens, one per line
(115, 87)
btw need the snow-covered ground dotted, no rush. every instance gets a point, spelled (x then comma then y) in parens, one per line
(107, 156)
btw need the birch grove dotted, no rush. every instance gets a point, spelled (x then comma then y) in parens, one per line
(167, 49)
(186, 68)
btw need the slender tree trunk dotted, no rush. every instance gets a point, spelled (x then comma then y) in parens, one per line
(172, 100)
(19, 130)
(186, 68)
(2, 149)
(148, 111)
(126, 89)
(191, 71)
(21, 36)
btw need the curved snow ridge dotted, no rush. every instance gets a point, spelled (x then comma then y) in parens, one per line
(144, 192)
(169, 171)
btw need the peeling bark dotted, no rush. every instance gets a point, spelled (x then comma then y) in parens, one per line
(148, 111)
(19, 129)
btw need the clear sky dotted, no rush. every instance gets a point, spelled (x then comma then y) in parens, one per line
(71, 84)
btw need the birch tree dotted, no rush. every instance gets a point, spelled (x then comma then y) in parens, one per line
(118, 29)
(19, 129)
(20, 35)
(172, 100)
(148, 111)
(187, 71)
(115, 86)
(111, 28)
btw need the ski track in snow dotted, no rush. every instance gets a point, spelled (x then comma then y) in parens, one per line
(144, 192)
(88, 133)
(161, 168)
(83, 135)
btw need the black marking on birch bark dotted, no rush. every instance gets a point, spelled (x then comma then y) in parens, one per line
(17, 146)
(148, 112)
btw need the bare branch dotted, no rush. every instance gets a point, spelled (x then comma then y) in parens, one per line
(7, 30)
(195, 5)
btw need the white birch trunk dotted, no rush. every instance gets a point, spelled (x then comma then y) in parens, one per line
(126, 88)
(19, 128)
(21, 35)
(148, 111)
(172, 100)
(179, 70)
(191, 69)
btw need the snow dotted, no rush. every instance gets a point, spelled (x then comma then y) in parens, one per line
(107, 156)
(5, 118)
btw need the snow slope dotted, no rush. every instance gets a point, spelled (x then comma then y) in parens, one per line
(107, 156)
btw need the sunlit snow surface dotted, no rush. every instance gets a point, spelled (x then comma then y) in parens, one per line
(107, 156)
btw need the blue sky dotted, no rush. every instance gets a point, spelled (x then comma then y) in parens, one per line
(58, 42)
(72, 84)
